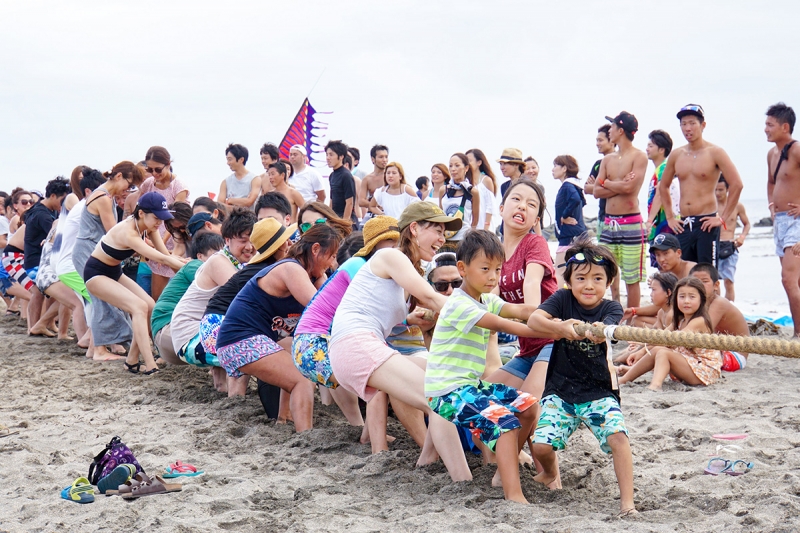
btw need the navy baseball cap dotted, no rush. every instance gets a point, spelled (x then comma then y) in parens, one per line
(197, 222)
(665, 241)
(692, 109)
(626, 121)
(153, 202)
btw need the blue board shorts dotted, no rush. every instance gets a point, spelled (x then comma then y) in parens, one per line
(487, 409)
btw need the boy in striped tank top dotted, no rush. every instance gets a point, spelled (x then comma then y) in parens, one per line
(496, 414)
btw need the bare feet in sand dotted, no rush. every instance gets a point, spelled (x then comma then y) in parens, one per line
(117, 349)
(41, 331)
(655, 389)
(627, 512)
(548, 481)
(220, 379)
(102, 355)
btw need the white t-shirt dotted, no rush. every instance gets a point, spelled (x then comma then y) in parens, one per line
(4, 224)
(393, 205)
(66, 237)
(307, 183)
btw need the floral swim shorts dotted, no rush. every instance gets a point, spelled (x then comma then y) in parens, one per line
(234, 356)
(310, 356)
(559, 419)
(209, 329)
(486, 409)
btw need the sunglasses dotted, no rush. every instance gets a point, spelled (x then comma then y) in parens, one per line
(441, 286)
(155, 170)
(694, 109)
(580, 258)
(305, 226)
(25, 202)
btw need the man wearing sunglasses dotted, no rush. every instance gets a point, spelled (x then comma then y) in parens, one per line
(443, 273)
(698, 166)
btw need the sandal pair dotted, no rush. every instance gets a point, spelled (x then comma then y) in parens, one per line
(718, 465)
(145, 486)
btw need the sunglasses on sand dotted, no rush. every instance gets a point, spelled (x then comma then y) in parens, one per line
(305, 226)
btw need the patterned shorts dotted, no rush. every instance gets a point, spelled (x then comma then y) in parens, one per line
(12, 262)
(310, 356)
(486, 409)
(209, 329)
(192, 353)
(559, 419)
(234, 356)
(624, 235)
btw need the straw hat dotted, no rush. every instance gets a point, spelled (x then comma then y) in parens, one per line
(267, 236)
(377, 229)
(511, 155)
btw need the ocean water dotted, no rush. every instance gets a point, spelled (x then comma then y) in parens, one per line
(758, 275)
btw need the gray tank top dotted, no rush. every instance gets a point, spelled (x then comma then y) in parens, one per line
(239, 188)
(371, 303)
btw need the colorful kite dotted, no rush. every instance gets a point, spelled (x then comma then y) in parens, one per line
(305, 130)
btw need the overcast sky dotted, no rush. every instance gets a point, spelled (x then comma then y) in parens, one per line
(97, 82)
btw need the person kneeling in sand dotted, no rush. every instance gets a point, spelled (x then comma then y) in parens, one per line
(501, 416)
(580, 386)
(693, 366)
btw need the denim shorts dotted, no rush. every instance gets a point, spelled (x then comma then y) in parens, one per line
(521, 366)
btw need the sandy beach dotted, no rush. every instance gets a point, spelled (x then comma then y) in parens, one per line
(262, 477)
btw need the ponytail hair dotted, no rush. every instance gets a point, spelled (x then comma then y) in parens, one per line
(130, 171)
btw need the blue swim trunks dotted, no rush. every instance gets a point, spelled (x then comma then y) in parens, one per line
(559, 419)
(310, 356)
(486, 409)
(193, 353)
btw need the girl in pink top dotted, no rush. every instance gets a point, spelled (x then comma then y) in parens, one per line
(164, 182)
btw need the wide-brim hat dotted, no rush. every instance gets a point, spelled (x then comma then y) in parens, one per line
(267, 236)
(511, 155)
(377, 229)
(427, 212)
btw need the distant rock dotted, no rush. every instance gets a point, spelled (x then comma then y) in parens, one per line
(765, 222)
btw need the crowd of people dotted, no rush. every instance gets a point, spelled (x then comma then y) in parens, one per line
(391, 294)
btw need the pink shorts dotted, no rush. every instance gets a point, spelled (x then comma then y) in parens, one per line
(354, 359)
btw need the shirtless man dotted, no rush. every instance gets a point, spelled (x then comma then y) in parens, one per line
(276, 173)
(725, 317)
(269, 155)
(667, 251)
(619, 180)
(697, 167)
(783, 193)
(374, 180)
(729, 243)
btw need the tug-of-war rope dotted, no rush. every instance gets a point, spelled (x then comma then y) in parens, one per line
(760, 345)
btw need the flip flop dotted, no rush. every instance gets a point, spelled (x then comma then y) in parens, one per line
(81, 491)
(731, 470)
(716, 466)
(119, 476)
(730, 436)
(12, 313)
(179, 469)
(5, 432)
(149, 486)
(133, 369)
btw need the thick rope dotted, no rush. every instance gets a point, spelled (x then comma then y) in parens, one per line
(660, 337)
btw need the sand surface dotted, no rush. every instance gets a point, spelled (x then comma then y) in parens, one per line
(263, 477)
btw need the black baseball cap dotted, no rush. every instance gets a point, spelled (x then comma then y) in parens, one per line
(692, 109)
(665, 241)
(626, 121)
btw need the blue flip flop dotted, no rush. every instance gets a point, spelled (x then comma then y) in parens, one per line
(717, 466)
(81, 491)
(117, 477)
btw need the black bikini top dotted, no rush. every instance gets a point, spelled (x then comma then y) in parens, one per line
(115, 253)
